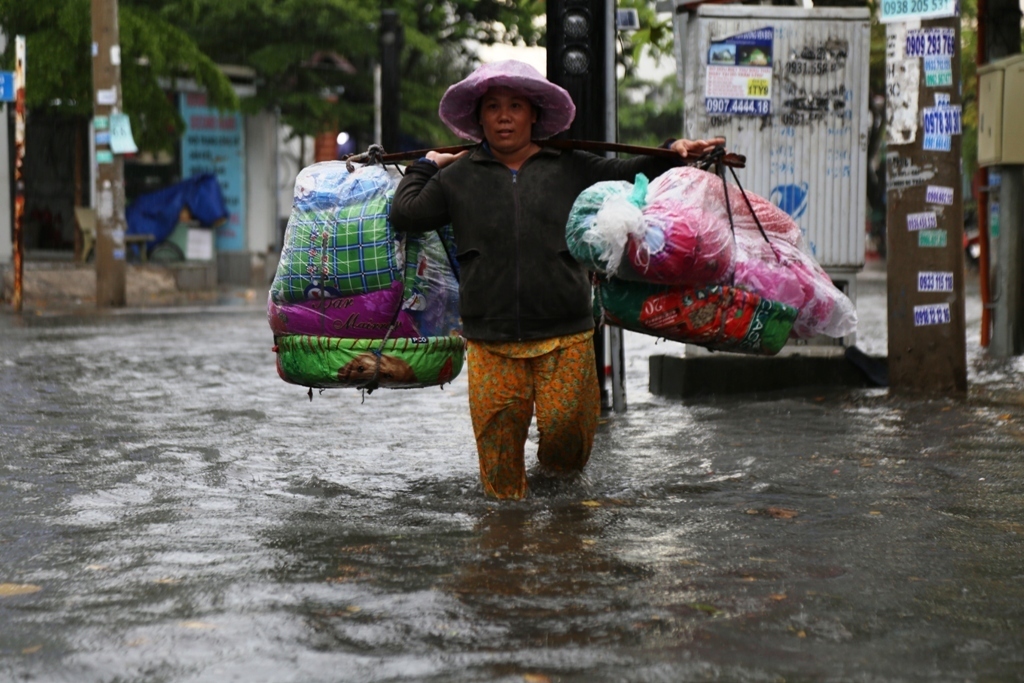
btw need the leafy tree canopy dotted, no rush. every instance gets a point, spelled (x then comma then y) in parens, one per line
(59, 65)
(313, 59)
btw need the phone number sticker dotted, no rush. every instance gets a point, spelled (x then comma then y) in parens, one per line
(939, 194)
(929, 281)
(721, 105)
(931, 314)
(926, 220)
(930, 42)
(902, 10)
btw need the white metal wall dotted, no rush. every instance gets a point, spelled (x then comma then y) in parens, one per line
(809, 155)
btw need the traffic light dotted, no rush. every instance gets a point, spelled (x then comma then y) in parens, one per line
(578, 48)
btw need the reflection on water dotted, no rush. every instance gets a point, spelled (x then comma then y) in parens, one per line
(187, 516)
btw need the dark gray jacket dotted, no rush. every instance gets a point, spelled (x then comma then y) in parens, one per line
(517, 279)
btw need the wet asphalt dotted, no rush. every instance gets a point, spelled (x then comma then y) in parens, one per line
(173, 511)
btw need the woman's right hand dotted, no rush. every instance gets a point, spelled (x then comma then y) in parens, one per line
(442, 159)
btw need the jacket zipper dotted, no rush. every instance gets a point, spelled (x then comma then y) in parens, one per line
(515, 197)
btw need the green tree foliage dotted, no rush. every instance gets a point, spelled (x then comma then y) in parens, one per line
(649, 111)
(314, 58)
(59, 68)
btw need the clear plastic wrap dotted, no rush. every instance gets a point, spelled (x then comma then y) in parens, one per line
(687, 240)
(600, 244)
(346, 282)
(783, 272)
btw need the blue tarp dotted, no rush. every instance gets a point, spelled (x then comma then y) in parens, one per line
(156, 213)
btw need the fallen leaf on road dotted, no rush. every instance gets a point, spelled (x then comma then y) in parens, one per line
(536, 678)
(8, 590)
(31, 650)
(781, 513)
(777, 597)
(703, 607)
(591, 503)
(196, 625)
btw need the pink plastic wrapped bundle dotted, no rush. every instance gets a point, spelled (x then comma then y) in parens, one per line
(779, 269)
(783, 272)
(687, 240)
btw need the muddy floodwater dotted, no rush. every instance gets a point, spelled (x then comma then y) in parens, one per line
(172, 511)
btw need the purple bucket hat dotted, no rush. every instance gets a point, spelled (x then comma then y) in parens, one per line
(458, 108)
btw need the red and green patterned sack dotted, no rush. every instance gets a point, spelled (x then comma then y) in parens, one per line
(720, 318)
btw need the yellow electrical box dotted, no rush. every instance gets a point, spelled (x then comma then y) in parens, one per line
(1000, 110)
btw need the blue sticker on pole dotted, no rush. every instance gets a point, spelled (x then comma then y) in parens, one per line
(938, 72)
(7, 93)
(942, 120)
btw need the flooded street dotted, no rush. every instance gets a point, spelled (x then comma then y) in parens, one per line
(174, 512)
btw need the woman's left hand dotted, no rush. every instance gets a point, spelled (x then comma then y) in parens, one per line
(688, 148)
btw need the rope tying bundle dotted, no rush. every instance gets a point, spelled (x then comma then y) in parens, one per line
(719, 159)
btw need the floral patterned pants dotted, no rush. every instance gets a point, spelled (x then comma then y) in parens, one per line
(507, 381)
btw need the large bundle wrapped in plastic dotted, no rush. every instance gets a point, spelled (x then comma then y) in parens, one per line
(651, 234)
(348, 290)
(720, 318)
(678, 232)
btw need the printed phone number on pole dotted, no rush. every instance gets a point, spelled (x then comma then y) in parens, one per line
(944, 120)
(931, 314)
(926, 220)
(930, 42)
(934, 281)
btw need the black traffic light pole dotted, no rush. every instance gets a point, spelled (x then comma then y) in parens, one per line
(391, 39)
(578, 46)
(581, 60)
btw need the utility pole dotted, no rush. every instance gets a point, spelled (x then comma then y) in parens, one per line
(581, 59)
(925, 264)
(19, 178)
(110, 219)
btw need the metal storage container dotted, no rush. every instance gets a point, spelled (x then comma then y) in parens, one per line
(788, 88)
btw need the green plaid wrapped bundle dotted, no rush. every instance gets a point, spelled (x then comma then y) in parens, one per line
(338, 241)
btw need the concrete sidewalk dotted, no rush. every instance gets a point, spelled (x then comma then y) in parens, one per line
(60, 287)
